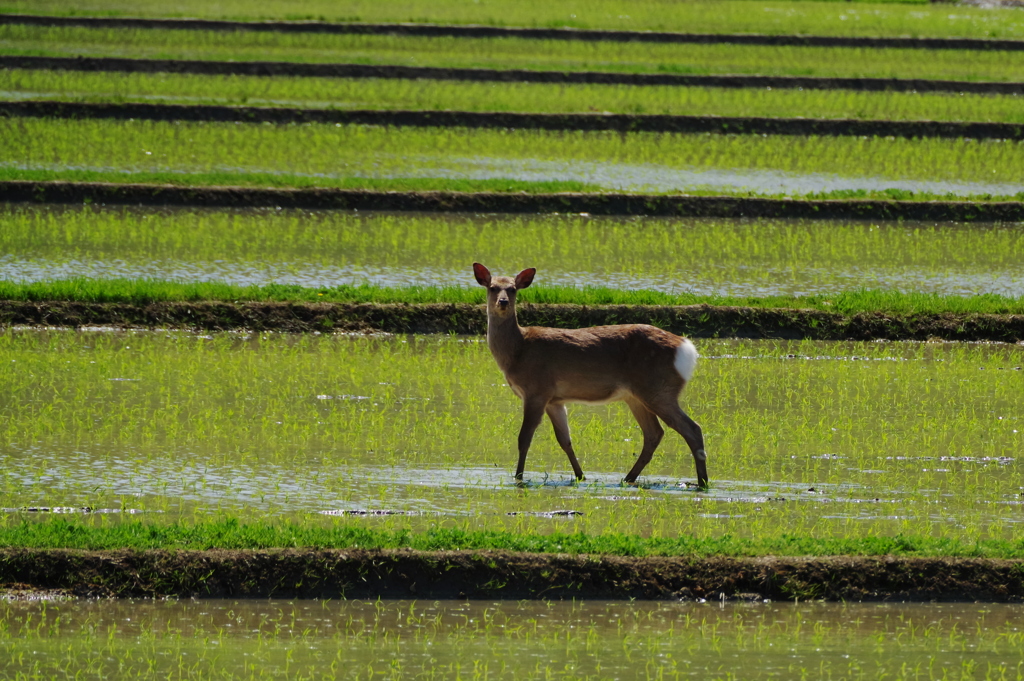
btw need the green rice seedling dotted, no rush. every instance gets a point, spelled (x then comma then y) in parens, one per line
(509, 53)
(731, 16)
(326, 155)
(330, 254)
(506, 639)
(828, 441)
(504, 97)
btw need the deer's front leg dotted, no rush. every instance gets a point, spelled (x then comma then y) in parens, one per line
(560, 420)
(533, 413)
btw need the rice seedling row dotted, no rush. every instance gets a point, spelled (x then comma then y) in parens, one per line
(497, 640)
(325, 155)
(184, 428)
(415, 94)
(513, 53)
(324, 250)
(734, 16)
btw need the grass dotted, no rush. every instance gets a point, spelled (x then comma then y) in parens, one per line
(331, 155)
(512, 53)
(386, 94)
(144, 292)
(229, 533)
(413, 258)
(706, 16)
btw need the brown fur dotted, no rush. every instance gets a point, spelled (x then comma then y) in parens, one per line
(548, 368)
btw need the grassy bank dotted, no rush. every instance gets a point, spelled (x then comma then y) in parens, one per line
(63, 533)
(142, 292)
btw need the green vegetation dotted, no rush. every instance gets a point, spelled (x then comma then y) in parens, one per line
(644, 260)
(143, 292)
(324, 155)
(386, 94)
(280, 429)
(389, 184)
(512, 53)
(227, 533)
(487, 639)
(702, 16)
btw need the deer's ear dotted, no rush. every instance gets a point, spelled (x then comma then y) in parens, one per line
(482, 274)
(525, 278)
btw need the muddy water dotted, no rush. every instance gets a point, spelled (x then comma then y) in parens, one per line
(323, 249)
(523, 640)
(826, 438)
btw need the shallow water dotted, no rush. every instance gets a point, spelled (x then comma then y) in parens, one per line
(835, 438)
(673, 255)
(657, 178)
(480, 639)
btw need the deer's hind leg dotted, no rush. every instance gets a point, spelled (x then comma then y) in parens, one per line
(560, 420)
(653, 432)
(675, 418)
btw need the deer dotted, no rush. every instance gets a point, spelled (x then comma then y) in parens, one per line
(641, 365)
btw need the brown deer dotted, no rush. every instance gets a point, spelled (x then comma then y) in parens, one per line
(644, 366)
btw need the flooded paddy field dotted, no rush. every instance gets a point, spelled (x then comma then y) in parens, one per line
(511, 53)
(821, 439)
(671, 255)
(352, 156)
(503, 639)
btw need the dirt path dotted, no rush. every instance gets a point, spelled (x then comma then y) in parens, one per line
(326, 70)
(697, 321)
(289, 573)
(750, 125)
(19, 191)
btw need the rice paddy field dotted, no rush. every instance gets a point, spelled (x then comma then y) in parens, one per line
(328, 155)
(324, 250)
(180, 427)
(478, 640)
(388, 94)
(511, 53)
(821, 448)
(914, 18)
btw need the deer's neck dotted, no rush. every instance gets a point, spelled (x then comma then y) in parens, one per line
(504, 338)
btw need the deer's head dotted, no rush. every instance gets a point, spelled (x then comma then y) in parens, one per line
(501, 291)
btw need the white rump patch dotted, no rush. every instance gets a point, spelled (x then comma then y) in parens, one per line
(686, 359)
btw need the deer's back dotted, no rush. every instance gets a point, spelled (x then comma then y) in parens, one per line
(596, 364)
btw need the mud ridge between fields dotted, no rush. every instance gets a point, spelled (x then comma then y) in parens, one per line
(477, 31)
(297, 573)
(745, 125)
(495, 202)
(697, 321)
(320, 70)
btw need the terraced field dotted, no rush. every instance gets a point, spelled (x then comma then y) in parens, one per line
(781, 171)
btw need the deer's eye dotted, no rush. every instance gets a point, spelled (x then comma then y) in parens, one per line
(495, 289)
